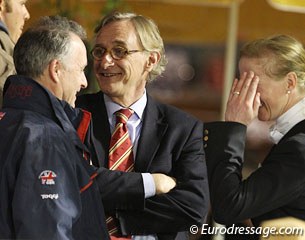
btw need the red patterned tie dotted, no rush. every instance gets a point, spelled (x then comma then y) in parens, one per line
(120, 157)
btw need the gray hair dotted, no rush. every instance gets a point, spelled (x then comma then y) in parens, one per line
(8, 5)
(45, 41)
(148, 35)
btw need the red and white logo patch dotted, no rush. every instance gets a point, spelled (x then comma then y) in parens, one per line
(47, 177)
(2, 115)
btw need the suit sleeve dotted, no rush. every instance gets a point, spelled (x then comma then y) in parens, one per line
(130, 194)
(279, 180)
(183, 206)
(46, 201)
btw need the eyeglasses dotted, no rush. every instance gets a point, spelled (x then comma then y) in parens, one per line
(116, 53)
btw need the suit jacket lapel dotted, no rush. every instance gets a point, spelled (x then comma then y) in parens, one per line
(298, 128)
(153, 129)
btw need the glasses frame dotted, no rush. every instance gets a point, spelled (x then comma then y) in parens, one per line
(126, 53)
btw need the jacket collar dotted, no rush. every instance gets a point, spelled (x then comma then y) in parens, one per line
(24, 93)
(298, 128)
(3, 27)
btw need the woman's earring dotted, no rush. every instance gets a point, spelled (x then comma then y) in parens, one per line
(288, 92)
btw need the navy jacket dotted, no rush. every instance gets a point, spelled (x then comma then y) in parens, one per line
(48, 188)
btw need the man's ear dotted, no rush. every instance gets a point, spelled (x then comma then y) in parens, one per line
(154, 58)
(54, 70)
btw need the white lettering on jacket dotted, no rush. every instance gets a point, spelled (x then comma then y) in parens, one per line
(49, 196)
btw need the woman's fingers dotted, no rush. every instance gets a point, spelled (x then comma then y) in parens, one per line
(252, 89)
(244, 101)
(232, 91)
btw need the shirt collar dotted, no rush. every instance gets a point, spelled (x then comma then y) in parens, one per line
(287, 120)
(3, 27)
(138, 107)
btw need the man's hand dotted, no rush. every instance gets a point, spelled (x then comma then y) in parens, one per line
(163, 183)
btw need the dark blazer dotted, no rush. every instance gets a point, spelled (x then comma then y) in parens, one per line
(170, 143)
(276, 189)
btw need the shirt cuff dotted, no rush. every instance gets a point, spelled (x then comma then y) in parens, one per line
(149, 185)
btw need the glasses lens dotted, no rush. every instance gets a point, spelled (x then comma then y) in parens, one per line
(98, 52)
(118, 52)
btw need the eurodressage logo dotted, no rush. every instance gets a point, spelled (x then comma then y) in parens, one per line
(47, 177)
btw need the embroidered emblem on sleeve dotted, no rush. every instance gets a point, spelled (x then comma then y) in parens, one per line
(47, 177)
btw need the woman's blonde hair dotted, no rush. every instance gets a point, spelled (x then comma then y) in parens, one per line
(283, 53)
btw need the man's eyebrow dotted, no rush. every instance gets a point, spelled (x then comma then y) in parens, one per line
(119, 42)
(115, 42)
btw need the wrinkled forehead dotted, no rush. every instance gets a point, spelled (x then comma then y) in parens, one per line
(122, 32)
(9, 4)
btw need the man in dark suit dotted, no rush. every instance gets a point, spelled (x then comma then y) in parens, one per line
(128, 53)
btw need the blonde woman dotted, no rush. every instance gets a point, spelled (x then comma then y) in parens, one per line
(271, 87)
